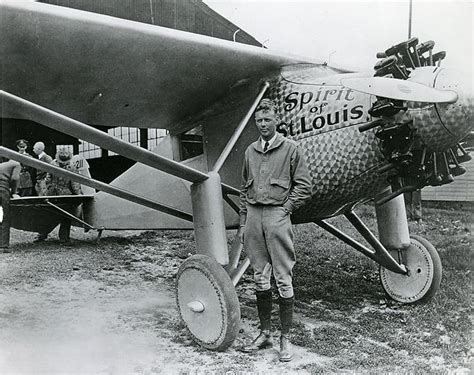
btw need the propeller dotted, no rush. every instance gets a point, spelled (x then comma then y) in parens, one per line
(399, 89)
(405, 73)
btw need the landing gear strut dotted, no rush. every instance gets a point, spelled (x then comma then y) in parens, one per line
(410, 267)
(206, 296)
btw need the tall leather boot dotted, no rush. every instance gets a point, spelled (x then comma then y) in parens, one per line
(264, 308)
(286, 320)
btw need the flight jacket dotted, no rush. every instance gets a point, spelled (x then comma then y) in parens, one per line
(277, 177)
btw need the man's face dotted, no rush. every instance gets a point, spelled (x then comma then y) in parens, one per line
(266, 122)
(21, 148)
(37, 149)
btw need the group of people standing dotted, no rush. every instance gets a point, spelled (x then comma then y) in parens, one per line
(19, 180)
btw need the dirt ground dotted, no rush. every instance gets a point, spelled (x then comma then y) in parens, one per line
(106, 309)
(109, 308)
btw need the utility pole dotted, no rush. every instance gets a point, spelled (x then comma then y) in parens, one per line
(409, 19)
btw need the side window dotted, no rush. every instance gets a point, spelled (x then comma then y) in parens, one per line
(191, 143)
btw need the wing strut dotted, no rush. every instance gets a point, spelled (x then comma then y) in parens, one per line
(93, 183)
(207, 200)
(14, 106)
(238, 131)
(69, 215)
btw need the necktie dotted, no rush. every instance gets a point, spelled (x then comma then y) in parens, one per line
(265, 147)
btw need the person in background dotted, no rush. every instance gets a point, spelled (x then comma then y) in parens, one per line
(413, 204)
(82, 167)
(25, 186)
(275, 182)
(58, 185)
(9, 178)
(40, 185)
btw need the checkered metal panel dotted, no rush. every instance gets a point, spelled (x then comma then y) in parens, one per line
(442, 125)
(427, 124)
(456, 117)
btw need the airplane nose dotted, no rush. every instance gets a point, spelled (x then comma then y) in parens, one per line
(442, 125)
(456, 117)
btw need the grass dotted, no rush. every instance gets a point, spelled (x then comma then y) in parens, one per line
(343, 312)
(336, 285)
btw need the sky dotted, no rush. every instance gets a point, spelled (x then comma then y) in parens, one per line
(349, 33)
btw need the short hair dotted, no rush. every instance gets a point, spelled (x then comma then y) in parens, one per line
(40, 145)
(267, 105)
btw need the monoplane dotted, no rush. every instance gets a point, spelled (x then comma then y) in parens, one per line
(365, 136)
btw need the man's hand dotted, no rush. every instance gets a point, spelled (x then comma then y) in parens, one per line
(15, 196)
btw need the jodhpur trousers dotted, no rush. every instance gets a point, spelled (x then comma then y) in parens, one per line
(268, 240)
(5, 226)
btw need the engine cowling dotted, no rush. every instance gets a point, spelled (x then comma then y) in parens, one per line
(421, 139)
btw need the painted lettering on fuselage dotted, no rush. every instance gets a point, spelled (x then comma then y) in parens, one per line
(305, 112)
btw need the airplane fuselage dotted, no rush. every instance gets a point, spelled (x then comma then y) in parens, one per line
(346, 164)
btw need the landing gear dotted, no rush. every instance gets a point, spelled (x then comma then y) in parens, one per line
(410, 267)
(207, 302)
(424, 273)
(206, 296)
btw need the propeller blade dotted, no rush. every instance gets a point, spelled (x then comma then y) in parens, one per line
(399, 89)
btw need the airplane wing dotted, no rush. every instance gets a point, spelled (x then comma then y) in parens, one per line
(41, 214)
(107, 71)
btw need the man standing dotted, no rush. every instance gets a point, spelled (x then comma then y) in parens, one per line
(9, 177)
(82, 167)
(25, 186)
(40, 185)
(275, 182)
(57, 185)
(413, 204)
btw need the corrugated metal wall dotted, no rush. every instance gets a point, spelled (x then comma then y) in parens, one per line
(461, 190)
(186, 15)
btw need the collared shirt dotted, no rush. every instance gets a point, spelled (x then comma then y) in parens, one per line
(41, 154)
(270, 142)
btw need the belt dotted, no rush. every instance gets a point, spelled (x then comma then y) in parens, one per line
(264, 205)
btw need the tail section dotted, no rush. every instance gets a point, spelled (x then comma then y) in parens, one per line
(111, 212)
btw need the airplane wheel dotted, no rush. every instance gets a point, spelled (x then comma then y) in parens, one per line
(207, 302)
(424, 273)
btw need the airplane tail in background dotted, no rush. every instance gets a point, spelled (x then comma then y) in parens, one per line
(113, 213)
(110, 212)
